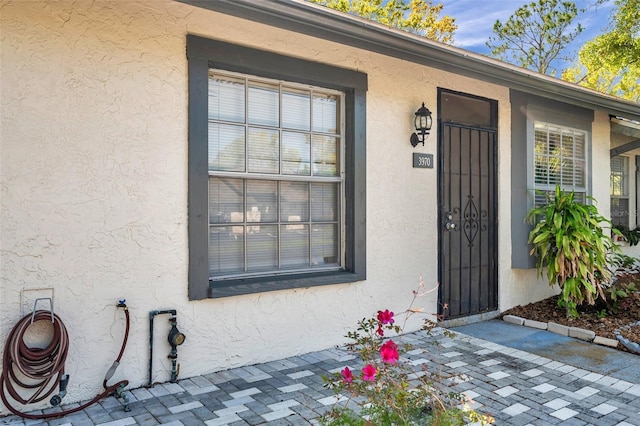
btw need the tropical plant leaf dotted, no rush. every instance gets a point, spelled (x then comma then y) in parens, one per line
(572, 245)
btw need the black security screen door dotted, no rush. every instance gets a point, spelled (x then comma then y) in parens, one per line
(467, 199)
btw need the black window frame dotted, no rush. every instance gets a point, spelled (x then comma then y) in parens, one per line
(203, 54)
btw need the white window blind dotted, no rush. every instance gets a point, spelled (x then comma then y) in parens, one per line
(275, 176)
(560, 158)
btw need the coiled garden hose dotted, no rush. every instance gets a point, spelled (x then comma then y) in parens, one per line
(40, 370)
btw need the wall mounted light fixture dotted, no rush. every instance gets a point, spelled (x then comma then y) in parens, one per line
(423, 125)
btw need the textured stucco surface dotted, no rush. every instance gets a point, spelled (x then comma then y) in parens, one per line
(93, 186)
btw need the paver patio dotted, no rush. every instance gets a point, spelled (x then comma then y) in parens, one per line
(516, 387)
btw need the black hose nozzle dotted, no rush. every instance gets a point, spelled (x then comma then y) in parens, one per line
(57, 399)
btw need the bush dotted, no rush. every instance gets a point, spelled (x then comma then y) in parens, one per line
(387, 390)
(568, 240)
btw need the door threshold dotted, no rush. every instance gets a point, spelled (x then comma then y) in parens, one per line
(457, 322)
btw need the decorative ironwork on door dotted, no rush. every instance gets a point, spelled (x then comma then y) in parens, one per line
(467, 196)
(473, 220)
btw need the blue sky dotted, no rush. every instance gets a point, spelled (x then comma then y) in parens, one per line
(475, 19)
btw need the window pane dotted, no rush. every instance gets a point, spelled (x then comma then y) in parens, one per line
(541, 146)
(295, 246)
(324, 245)
(264, 151)
(554, 171)
(579, 147)
(296, 109)
(580, 197)
(225, 200)
(264, 108)
(567, 144)
(324, 202)
(226, 249)
(226, 147)
(296, 153)
(567, 172)
(541, 172)
(294, 201)
(262, 248)
(620, 212)
(555, 146)
(325, 113)
(325, 156)
(580, 174)
(540, 198)
(262, 201)
(226, 98)
(618, 179)
(466, 110)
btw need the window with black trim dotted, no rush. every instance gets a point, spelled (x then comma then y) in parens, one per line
(550, 144)
(276, 171)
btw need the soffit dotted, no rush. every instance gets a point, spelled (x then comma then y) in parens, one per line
(625, 127)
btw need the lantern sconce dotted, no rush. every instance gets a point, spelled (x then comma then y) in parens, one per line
(422, 123)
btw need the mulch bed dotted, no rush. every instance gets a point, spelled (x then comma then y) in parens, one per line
(595, 318)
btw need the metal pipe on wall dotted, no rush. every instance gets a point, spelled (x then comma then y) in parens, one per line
(175, 339)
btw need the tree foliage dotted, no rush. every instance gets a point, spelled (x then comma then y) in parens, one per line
(536, 34)
(610, 63)
(417, 16)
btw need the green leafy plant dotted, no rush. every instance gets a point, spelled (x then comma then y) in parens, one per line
(386, 389)
(619, 260)
(617, 295)
(568, 240)
(631, 236)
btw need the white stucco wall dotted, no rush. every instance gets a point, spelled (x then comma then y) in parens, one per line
(601, 170)
(93, 185)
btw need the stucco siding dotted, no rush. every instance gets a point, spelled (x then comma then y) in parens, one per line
(93, 186)
(600, 147)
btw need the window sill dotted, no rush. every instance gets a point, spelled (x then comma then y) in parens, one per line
(237, 287)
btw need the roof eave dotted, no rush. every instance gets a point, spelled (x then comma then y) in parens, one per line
(317, 21)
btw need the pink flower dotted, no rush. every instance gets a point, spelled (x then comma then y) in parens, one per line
(385, 317)
(347, 375)
(389, 352)
(380, 331)
(369, 373)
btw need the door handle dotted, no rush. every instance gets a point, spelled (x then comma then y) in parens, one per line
(449, 225)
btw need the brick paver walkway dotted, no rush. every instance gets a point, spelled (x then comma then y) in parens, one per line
(515, 387)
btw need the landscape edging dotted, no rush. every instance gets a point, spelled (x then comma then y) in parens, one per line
(575, 332)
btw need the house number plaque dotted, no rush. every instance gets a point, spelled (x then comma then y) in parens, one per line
(423, 161)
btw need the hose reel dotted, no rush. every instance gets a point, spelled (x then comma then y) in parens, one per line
(39, 371)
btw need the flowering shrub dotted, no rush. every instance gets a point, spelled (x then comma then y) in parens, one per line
(387, 390)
